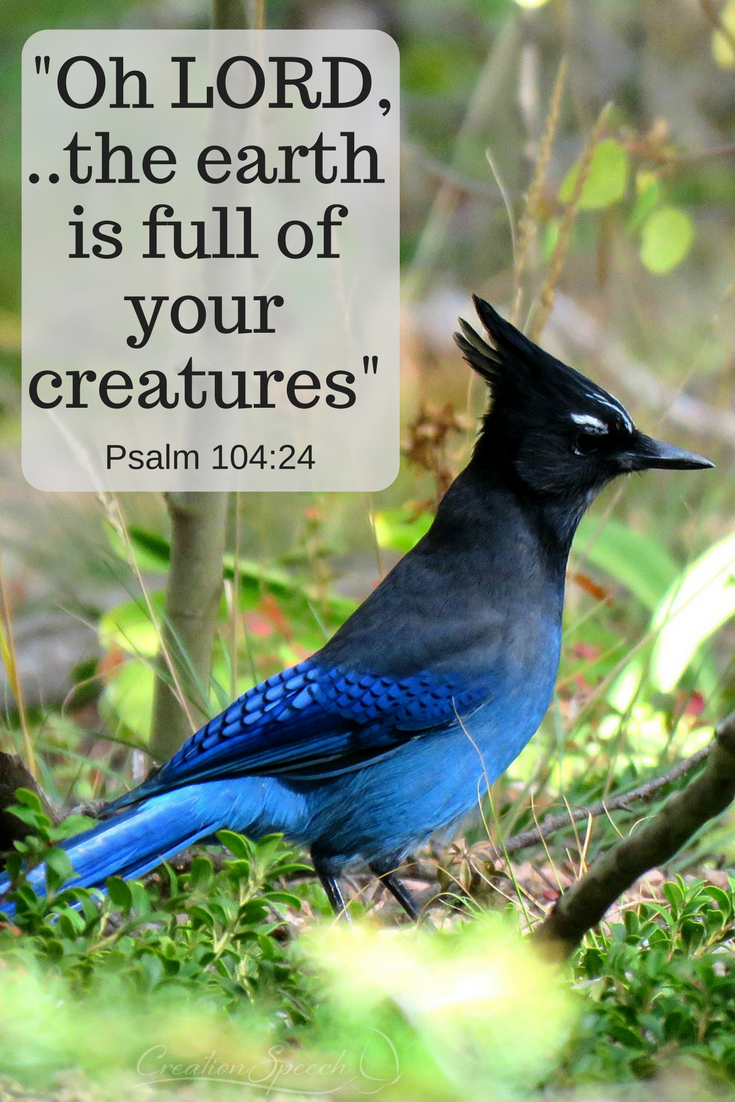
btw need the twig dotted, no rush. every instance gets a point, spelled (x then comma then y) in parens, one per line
(553, 823)
(653, 844)
(556, 264)
(683, 160)
(529, 222)
(258, 16)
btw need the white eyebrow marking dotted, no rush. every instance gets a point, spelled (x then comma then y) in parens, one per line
(590, 421)
(616, 407)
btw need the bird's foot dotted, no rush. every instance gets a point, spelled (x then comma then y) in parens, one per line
(398, 890)
(332, 887)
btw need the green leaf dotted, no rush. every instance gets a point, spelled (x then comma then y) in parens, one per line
(201, 873)
(119, 893)
(201, 914)
(666, 239)
(70, 922)
(141, 899)
(674, 893)
(550, 237)
(721, 49)
(238, 869)
(636, 561)
(720, 897)
(269, 848)
(649, 192)
(31, 817)
(59, 868)
(128, 699)
(129, 628)
(238, 846)
(697, 604)
(607, 179)
(29, 799)
(288, 898)
(73, 824)
(626, 1036)
(150, 551)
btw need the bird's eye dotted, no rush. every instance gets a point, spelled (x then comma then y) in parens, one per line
(587, 443)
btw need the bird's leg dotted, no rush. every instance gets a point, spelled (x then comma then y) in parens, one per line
(398, 890)
(331, 886)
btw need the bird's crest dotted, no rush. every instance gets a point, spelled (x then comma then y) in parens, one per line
(516, 370)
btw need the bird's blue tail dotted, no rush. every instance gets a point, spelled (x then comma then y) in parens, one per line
(136, 840)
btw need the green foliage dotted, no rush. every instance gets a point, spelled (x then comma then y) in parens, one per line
(410, 1013)
(606, 181)
(400, 529)
(659, 989)
(210, 955)
(666, 238)
(636, 561)
(649, 192)
(666, 231)
(700, 601)
(194, 962)
(207, 930)
(465, 1008)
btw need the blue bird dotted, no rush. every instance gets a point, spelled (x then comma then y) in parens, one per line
(390, 733)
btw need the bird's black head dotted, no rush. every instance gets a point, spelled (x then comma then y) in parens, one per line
(563, 436)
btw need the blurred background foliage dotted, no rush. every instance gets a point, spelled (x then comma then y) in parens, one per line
(624, 263)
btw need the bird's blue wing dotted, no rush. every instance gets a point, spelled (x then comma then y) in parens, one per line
(311, 721)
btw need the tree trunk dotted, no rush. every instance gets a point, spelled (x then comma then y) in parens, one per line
(180, 703)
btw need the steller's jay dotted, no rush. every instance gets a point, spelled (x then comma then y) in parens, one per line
(393, 730)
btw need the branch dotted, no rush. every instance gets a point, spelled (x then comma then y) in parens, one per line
(652, 844)
(553, 823)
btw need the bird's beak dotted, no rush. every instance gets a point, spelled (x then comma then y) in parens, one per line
(656, 453)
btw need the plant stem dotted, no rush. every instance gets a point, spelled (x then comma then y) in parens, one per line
(190, 617)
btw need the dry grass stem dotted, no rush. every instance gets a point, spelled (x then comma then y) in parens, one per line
(528, 228)
(506, 203)
(113, 512)
(553, 823)
(556, 264)
(9, 660)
